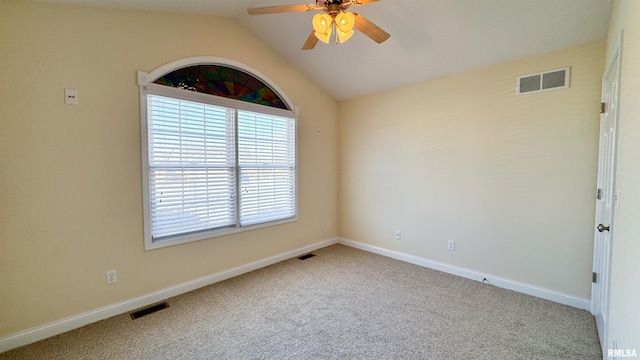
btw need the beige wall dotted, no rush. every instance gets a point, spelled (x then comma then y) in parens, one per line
(70, 177)
(624, 322)
(510, 179)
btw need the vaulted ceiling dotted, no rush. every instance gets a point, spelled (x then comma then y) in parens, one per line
(429, 38)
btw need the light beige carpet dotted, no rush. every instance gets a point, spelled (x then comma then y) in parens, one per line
(341, 304)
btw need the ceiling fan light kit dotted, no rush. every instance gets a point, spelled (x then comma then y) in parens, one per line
(341, 25)
(322, 24)
(344, 23)
(335, 20)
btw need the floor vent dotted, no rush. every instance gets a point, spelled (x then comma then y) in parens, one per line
(305, 257)
(149, 310)
(550, 80)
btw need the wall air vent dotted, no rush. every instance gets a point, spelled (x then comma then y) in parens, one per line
(550, 80)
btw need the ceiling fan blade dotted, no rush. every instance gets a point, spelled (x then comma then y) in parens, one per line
(311, 42)
(370, 29)
(362, 2)
(282, 9)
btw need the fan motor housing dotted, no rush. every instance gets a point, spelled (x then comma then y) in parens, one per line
(334, 7)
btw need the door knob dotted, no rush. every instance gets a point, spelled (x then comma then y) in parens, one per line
(602, 228)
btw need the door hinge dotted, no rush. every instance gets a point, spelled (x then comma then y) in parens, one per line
(594, 277)
(599, 194)
(603, 107)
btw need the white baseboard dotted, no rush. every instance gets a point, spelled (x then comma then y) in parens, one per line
(58, 327)
(521, 287)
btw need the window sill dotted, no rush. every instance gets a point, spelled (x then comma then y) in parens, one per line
(151, 244)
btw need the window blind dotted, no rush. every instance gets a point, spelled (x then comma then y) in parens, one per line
(266, 147)
(212, 167)
(191, 166)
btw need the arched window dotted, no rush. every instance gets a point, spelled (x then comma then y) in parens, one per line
(219, 151)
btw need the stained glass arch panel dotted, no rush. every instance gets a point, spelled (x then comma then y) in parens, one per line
(224, 81)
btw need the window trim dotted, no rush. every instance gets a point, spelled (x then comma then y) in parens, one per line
(146, 85)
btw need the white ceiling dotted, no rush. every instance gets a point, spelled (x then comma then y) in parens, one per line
(429, 38)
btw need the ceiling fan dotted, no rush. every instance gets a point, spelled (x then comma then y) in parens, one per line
(335, 20)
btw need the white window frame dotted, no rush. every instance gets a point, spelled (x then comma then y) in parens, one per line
(146, 85)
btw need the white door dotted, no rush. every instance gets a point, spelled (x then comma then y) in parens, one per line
(607, 199)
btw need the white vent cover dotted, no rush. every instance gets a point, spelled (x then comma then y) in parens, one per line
(550, 80)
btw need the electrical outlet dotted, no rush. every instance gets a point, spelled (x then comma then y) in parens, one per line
(111, 277)
(398, 234)
(71, 96)
(328, 224)
(451, 245)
